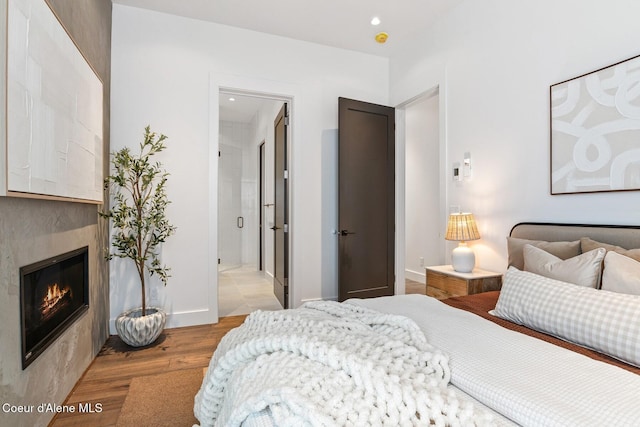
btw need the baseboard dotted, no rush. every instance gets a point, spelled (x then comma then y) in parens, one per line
(415, 276)
(318, 299)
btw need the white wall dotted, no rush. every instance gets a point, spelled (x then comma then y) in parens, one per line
(493, 61)
(422, 187)
(498, 59)
(162, 68)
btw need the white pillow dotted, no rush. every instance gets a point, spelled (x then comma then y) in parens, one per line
(621, 274)
(607, 322)
(583, 270)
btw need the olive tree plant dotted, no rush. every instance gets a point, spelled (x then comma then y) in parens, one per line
(137, 214)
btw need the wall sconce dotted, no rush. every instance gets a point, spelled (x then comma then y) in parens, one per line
(462, 228)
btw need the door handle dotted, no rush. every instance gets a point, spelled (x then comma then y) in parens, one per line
(275, 227)
(240, 222)
(346, 232)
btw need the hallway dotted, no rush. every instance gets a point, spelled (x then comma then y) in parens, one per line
(244, 289)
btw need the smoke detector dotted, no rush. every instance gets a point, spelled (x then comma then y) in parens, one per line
(382, 37)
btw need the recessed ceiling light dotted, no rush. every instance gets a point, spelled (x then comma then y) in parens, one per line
(375, 21)
(232, 99)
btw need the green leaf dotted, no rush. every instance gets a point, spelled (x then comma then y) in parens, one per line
(139, 199)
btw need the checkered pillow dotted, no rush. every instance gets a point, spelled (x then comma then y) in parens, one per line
(604, 321)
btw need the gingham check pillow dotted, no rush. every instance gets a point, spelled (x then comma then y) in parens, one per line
(604, 321)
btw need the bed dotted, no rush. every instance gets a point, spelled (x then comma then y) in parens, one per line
(558, 345)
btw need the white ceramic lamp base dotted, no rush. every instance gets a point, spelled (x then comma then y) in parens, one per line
(463, 259)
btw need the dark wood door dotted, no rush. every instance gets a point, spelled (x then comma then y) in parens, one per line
(366, 211)
(261, 205)
(281, 203)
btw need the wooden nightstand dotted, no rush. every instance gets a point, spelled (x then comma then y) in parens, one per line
(444, 282)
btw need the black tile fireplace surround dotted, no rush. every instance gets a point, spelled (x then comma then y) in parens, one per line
(53, 294)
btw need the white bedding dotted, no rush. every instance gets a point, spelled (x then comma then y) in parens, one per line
(329, 364)
(530, 381)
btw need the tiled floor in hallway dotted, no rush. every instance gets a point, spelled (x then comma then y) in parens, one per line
(244, 289)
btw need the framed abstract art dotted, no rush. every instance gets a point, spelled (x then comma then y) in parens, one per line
(54, 109)
(595, 130)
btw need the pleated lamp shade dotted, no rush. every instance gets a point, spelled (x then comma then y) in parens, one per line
(462, 228)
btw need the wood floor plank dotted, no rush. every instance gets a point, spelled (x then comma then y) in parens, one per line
(413, 287)
(95, 390)
(106, 381)
(189, 361)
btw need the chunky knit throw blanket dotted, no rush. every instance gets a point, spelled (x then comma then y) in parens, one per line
(331, 364)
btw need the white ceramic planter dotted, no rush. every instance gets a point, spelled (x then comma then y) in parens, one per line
(137, 330)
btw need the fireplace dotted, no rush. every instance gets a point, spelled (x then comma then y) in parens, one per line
(53, 294)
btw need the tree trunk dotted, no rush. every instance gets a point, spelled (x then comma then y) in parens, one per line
(142, 285)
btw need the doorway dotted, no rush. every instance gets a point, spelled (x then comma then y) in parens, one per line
(245, 203)
(424, 241)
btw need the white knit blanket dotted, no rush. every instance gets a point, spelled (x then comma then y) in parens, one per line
(330, 364)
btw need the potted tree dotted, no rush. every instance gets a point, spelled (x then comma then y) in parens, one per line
(137, 214)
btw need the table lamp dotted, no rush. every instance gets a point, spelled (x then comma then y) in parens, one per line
(462, 228)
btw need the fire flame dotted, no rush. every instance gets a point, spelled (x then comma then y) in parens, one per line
(53, 296)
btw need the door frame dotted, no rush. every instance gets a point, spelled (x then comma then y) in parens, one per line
(260, 88)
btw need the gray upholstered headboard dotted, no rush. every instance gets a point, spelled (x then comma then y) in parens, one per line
(621, 235)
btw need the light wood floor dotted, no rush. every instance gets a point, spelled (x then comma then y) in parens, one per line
(413, 287)
(107, 379)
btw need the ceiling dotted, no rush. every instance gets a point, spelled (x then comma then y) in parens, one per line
(241, 108)
(338, 23)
